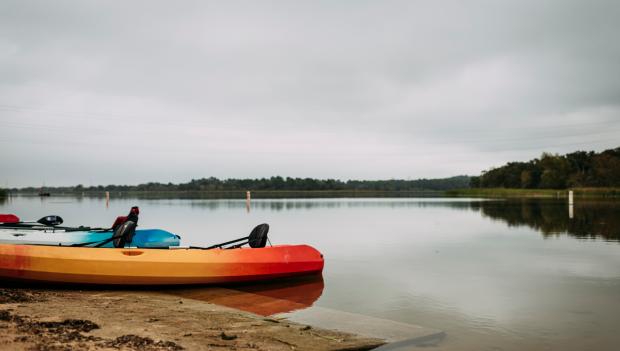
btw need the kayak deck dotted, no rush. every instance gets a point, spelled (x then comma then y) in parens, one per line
(131, 266)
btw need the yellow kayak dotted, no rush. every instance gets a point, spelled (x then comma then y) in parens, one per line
(111, 266)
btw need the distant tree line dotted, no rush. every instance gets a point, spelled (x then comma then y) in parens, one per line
(552, 171)
(2, 193)
(269, 184)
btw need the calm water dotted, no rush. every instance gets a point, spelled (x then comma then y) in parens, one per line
(494, 275)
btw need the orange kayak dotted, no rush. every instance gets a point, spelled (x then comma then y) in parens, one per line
(108, 266)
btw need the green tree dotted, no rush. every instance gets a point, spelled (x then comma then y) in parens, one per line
(555, 171)
(526, 179)
(607, 169)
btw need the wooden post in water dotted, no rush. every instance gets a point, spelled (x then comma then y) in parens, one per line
(248, 201)
(107, 199)
(570, 204)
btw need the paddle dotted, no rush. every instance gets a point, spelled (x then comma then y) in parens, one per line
(51, 221)
(121, 235)
(8, 218)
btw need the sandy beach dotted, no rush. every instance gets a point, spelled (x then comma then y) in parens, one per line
(32, 318)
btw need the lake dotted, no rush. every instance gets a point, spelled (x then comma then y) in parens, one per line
(492, 274)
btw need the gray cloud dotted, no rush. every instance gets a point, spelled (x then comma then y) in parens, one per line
(118, 92)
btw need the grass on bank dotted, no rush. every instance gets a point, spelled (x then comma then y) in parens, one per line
(533, 193)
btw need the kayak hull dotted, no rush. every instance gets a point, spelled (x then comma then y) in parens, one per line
(144, 238)
(133, 266)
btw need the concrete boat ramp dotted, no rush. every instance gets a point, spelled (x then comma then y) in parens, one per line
(399, 336)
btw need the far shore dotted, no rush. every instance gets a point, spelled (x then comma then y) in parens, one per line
(309, 194)
(242, 194)
(535, 193)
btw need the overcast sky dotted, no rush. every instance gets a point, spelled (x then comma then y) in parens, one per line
(113, 92)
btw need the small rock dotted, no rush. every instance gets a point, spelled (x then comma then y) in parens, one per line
(227, 337)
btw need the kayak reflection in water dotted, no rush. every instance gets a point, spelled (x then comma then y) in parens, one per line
(264, 299)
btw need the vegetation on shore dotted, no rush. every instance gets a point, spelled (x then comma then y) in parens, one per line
(273, 184)
(534, 193)
(579, 169)
(2, 192)
(588, 174)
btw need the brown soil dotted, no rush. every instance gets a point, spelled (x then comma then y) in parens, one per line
(54, 320)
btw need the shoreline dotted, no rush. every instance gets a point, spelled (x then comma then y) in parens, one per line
(506, 193)
(34, 318)
(241, 194)
(593, 193)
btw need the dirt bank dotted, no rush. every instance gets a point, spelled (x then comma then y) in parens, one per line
(36, 319)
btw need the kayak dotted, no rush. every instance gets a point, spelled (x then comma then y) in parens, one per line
(47, 231)
(177, 266)
(147, 238)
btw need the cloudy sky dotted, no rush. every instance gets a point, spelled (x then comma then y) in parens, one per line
(127, 91)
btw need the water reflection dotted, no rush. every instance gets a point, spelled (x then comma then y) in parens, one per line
(263, 299)
(590, 219)
(270, 194)
(309, 204)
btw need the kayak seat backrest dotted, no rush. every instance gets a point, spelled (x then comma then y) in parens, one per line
(123, 235)
(258, 236)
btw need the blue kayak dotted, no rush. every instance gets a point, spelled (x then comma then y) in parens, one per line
(147, 238)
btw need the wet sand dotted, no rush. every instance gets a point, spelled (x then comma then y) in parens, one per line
(68, 319)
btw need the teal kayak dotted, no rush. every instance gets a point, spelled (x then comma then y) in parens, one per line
(146, 238)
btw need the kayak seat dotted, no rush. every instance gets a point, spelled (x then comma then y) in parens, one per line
(132, 216)
(119, 220)
(123, 235)
(124, 228)
(258, 236)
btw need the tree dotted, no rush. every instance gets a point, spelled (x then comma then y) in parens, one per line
(555, 171)
(579, 168)
(607, 169)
